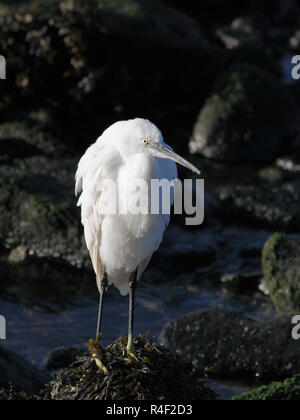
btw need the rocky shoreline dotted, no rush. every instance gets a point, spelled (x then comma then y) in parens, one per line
(220, 97)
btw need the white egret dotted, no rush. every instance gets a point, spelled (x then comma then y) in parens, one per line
(121, 245)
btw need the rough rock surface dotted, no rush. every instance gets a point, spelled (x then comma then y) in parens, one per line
(249, 117)
(273, 207)
(226, 345)
(17, 372)
(281, 265)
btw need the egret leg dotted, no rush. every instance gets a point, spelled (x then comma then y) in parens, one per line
(104, 285)
(132, 287)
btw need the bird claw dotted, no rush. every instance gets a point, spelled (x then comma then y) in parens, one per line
(96, 352)
(131, 352)
(131, 355)
(100, 365)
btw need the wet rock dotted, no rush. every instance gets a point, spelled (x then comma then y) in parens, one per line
(288, 390)
(262, 206)
(281, 265)
(157, 374)
(44, 224)
(21, 281)
(249, 117)
(255, 54)
(225, 345)
(18, 372)
(62, 358)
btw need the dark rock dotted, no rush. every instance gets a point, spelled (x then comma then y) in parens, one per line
(249, 117)
(105, 56)
(45, 225)
(255, 54)
(281, 265)
(62, 358)
(21, 282)
(225, 345)
(11, 394)
(30, 136)
(264, 206)
(20, 373)
(209, 13)
(289, 390)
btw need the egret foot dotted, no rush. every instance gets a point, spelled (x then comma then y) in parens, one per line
(96, 352)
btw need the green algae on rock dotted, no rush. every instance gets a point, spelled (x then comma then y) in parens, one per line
(289, 390)
(47, 226)
(158, 374)
(281, 266)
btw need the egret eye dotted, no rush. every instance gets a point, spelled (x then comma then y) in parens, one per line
(145, 141)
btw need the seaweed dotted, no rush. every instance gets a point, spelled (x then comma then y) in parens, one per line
(157, 374)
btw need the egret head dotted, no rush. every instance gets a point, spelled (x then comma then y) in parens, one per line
(141, 136)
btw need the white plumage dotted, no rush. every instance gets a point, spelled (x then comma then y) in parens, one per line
(120, 243)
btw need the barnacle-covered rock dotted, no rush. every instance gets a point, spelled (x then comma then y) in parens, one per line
(226, 345)
(158, 374)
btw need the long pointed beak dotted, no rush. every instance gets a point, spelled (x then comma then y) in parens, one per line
(165, 152)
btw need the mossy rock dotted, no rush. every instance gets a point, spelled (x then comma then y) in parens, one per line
(45, 225)
(289, 390)
(157, 374)
(281, 265)
(249, 117)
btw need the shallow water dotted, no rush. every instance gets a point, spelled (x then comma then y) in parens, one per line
(33, 334)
